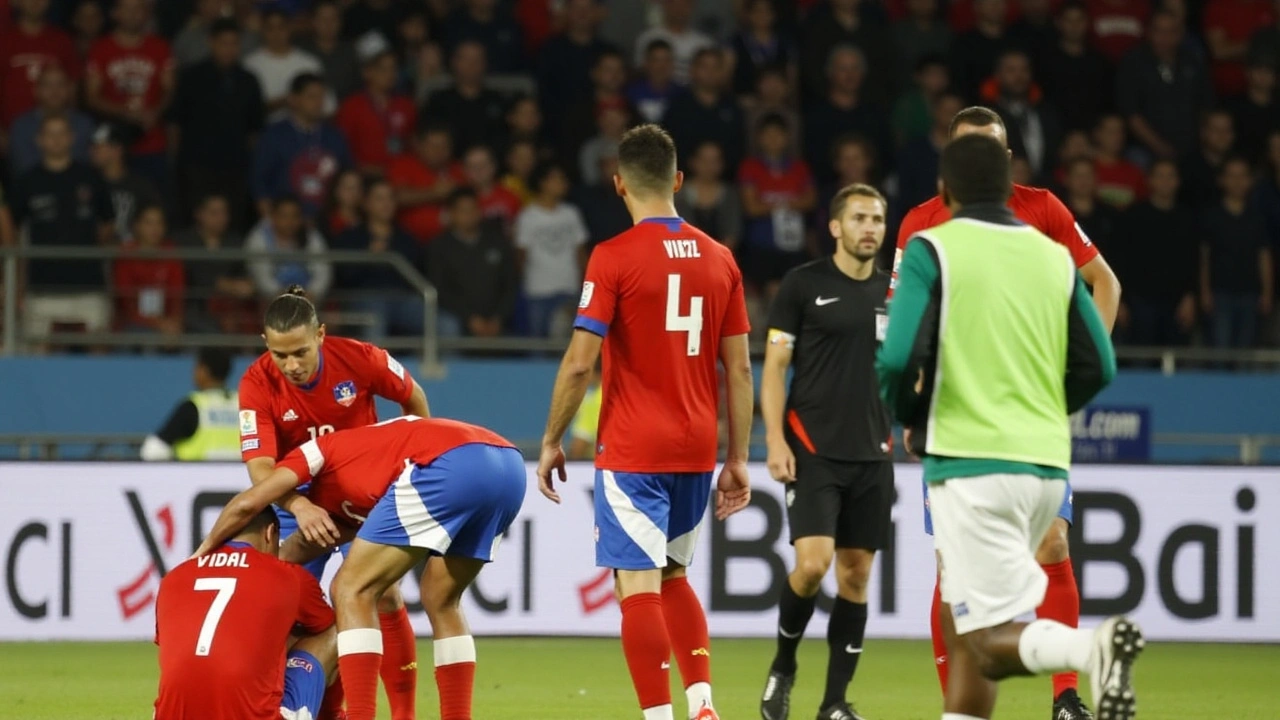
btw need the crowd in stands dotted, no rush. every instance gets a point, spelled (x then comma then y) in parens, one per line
(477, 139)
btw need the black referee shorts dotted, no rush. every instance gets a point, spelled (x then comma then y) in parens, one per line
(848, 501)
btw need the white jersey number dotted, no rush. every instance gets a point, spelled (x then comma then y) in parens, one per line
(225, 588)
(690, 324)
(318, 431)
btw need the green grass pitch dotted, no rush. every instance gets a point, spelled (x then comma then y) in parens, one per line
(574, 679)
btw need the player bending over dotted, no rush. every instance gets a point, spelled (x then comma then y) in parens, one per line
(305, 385)
(407, 488)
(223, 624)
(997, 319)
(665, 301)
(1041, 210)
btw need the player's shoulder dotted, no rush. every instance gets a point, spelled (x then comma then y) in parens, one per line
(1035, 199)
(261, 373)
(926, 210)
(351, 352)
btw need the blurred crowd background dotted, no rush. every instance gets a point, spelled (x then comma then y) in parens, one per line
(477, 140)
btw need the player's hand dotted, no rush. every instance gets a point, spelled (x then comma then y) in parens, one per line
(315, 524)
(733, 489)
(781, 461)
(907, 437)
(552, 458)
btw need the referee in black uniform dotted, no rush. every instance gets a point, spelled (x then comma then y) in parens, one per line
(829, 442)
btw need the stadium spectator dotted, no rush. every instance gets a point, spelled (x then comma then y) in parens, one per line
(377, 123)
(706, 201)
(88, 23)
(63, 203)
(612, 124)
(192, 44)
(707, 111)
(497, 203)
(566, 62)
(278, 63)
(473, 112)
(918, 160)
(759, 46)
(845, 110)
(419, 57)
(423, 180)
(1020, 171)
(393, 305)
(130, 79)
(1117, 25)
(216, 116)
(364, 16)
(205, 425)
(129, 191)
(338, 57)
(1075, 75)
(974, 54)
(913, 112)
(1201, 171)
(921, 34)
(1034, 30)
(524, 121)
(1080, 194)
(484, 22)
(1236, 281)
(284, 230)
(1266, 194)
(1265, 42)
(150, 291)
(652, 90)
(26, 50)
(550, 238)
(1156, 252)
(1256, 112)
(773, 96)
(608, 81)
(777, 190)
(1162, 88)
(219, 292)
(1228, 25)
(300, 154)
(344, 208)
(841, 23)
(54, 98)
(1120, 182)
(473, 268)
(521, 160)
(601, 208)
(677, 31)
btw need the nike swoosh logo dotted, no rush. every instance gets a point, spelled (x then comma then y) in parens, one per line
(820, 301)
(789, 636)
(852, 650)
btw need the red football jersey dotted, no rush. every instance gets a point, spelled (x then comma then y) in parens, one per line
(147, 289)
(277, 416)
(351, 470)
(22, 58)
(223, 624)
(1036, 207)
(661, 294)
(133, 77)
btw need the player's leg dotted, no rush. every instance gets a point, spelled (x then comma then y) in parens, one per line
(399, 653)
(288, 527)
(937, 633)
(686, 619)
(1062, 603)
(631, 513)
(443, 583)
(310, 665)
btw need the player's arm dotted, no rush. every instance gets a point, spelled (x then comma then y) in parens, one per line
(733, 488)
(900, 358)
(572, 382)
(244, 506)
(1106, 289)
(182, 424)
(390, 380)
(1091, 358)
(1061, 225)
(785, 318)
(417, 402)
(911, 224)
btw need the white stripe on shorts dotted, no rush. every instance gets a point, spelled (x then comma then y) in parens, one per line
(647, 536)
(424, 531)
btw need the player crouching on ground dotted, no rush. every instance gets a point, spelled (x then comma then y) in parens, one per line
(406, 488)
(224, 623)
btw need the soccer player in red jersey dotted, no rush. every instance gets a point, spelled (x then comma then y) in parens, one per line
(406, 488)
(306, 385)
(1040, 209)
(665, 301)
(223, 624)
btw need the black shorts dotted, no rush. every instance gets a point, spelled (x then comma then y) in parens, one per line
(848, 501)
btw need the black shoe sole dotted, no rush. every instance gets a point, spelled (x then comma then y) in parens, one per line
(784, 701)
(1119, 703)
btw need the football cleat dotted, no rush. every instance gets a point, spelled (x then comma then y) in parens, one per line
(1069, 706)
(1117, 643)
(775, 703)
(706, 713)
(839, 711)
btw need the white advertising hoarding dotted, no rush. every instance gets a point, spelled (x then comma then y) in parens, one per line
(84, 546)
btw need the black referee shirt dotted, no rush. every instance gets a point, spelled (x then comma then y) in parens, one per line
(834, 407)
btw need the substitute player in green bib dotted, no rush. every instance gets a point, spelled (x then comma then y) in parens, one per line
(995, 319)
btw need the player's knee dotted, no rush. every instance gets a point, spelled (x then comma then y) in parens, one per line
(347, 589)
(391, 600)
(809, 572)
(1054, 548)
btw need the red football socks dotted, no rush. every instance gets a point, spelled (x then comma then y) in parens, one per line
(935, 630)
(359, 659)
(399, 663)
(687, 630)
(331, 708)
(1061, 603)
(648, 649)
(455, 659)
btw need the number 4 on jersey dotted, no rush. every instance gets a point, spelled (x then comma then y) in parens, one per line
(691, 323)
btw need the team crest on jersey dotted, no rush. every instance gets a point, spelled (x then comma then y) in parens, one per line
(345, 393)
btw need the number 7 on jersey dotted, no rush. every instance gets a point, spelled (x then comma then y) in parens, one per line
(690, 324)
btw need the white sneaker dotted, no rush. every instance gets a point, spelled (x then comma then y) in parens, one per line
(1116, 644)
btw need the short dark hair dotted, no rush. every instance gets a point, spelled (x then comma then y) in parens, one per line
(708, 51)
(146, 208)
(657, 45)
(302, 81)
(217, 361)
(975, 169)
(857, 140)
(605, 54)
(1158, 162)
(975, 116)
(433, 127)
(1072, 5)
(930, 60)
(852, 191)
(274, 11)
(542, 171)
(264, 519)
(290, 310)
(462, 193)
(1234, 159)
(773, 120)
(280, 201)
(647, 159)
(222, 26)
